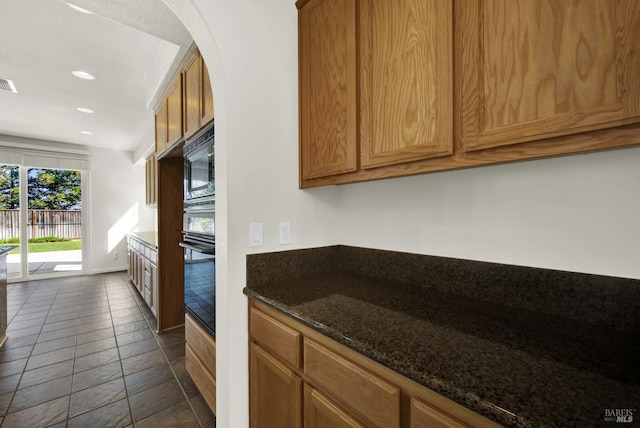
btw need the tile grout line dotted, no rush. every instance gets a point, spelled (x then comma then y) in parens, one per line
(175, 376)
(24, 369)
(82, 299)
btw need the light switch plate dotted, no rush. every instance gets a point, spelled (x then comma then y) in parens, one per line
(256, 234)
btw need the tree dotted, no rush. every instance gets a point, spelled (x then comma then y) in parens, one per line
(9, 190)
(54, 189)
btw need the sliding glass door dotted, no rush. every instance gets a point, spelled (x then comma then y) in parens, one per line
(44, 220)
(10, 219)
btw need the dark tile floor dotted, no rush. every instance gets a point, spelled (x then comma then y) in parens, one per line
(82, 352)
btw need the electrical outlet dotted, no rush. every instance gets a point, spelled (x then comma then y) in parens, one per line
(285, 232)
(115, 255)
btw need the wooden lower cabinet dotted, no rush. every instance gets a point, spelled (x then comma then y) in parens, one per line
(321, 412)
(276, 392)
(200, 360)
(424, 415)
(299, 377)
(143, 269)
(375, 400)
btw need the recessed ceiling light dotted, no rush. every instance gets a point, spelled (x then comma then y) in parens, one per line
(8, 85)
(83, 75)
(78, 8)
(86, 132)
(84, 110)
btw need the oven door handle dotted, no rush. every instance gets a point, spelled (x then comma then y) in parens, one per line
(204, 250)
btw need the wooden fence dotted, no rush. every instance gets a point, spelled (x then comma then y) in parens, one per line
(41, 223)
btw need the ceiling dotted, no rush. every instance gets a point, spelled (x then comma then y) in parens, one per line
(131, 47)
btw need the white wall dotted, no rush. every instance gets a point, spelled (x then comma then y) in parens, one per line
(116, 206)
(575, 213)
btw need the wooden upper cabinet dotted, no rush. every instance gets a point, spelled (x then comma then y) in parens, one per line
(406, 76)
(328, 87)
(191, 77)
(151, 180)
(174, 111)
(161, 127)
(206, 99)
(536, 69)
(375, 84)
(198, 97)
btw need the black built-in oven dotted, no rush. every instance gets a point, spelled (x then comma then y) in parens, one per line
(199, 280)
(199, 230)
(199, 172)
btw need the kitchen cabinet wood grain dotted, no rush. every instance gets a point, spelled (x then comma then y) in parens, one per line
(174, 111)
(191, 77)
(375, 84)
(275, 391)
(321, 412)
(419, 86)
(170, 297)
(423, 415)
(198, 96)
(540, 69)
(208, 111)
(374, 400)
(151, 180)
(161, 126)
(328, 88)
(200, 360)
(405, 80)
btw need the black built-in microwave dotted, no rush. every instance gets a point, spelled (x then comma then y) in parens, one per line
(199, 182)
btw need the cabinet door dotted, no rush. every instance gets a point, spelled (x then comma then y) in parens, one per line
(154, 288)
(406, 89)
(327, 78)
(151, 180)
(130, 261)
(161, 127)
(275, 392)
(536, 69)
(320, 412)
(372, 398)
(174, 112)
(423, 415)
(191, 80)
(206, 97)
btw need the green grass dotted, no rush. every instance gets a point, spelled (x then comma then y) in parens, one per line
(42, 245)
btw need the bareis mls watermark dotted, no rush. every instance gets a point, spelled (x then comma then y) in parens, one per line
(624, 416)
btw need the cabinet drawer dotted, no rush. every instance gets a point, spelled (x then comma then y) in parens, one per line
(376, 401)
(424, 415)
(153, 255)
(147, 278)
(201, 344)
(147, 296)
(319, 411)
(281, 340)
(202, 377)
(147, 252)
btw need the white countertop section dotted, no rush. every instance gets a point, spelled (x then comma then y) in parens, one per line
(150, 237)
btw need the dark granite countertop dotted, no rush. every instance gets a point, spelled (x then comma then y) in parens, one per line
(514, 365)
(6, 248)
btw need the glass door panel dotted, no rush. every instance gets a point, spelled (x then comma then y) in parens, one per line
(10, 217)
(54, 227)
